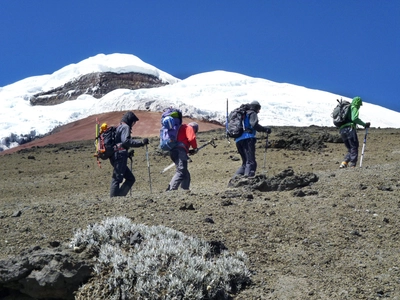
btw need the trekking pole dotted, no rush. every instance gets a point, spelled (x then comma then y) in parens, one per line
(265, 154)
(130, 191)
(363, 148)
(148, 167)
(210, 142)
(227, 122)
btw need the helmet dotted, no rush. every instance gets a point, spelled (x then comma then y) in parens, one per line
(195, 126)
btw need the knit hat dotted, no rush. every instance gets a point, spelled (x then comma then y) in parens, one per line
(195, 126)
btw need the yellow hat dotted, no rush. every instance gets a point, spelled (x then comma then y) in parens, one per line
(103, 127)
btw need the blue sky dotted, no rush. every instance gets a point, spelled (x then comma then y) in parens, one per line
(346, 47)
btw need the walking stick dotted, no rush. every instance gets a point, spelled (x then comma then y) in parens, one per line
(363, 148)
(265, 154)
(130, 191)
(227, 122)
(210, 142)
(148, 166)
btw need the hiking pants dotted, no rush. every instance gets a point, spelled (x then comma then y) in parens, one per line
(182, 176)
(121, 171)
(350, 139)
(247, 151)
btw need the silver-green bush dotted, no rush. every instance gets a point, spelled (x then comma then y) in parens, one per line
(135, 261)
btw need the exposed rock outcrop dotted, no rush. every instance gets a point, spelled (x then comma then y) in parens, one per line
(284, 181)
(97, 85)
(54, 273)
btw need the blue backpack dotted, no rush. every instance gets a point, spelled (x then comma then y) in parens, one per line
(171, 121)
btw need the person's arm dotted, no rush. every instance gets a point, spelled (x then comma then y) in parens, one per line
(126, 141)
(253, 119)
(191, 136)
(354, 116)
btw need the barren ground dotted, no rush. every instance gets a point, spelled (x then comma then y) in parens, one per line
(339, 239)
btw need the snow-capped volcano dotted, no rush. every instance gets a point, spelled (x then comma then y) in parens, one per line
(203, 95)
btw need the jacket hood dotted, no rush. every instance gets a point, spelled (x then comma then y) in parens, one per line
(195, 126)
(129, 117)
(255, 106)
(357, 102)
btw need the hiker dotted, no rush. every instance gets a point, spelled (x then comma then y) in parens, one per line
(348, 132)
(246, 143)
(179, 155)
(120, 157)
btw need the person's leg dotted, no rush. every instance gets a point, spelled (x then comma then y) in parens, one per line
(118, 161)
(353, 145)
(345, 135)
(179, 157)
(241, 149)
(250, 152)
(128, 183)
(185, 184)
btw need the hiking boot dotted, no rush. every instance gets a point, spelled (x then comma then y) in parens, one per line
(352, 165)
(343, 165)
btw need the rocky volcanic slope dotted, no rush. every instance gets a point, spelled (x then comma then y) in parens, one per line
(319, 233)
(96, 84)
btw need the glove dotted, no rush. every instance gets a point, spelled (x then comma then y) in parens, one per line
(145, 141)
(367, 125)
(131, 153)
(192, 151)
(267, 129)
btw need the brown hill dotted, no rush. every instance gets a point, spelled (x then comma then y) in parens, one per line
(148, 126)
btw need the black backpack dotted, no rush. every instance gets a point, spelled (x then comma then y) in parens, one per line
(106, 141)
(235, 126)
(340, 113)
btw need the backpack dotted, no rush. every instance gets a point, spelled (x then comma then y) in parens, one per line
(235, 126)
(340, 113)
(171, 121)
(105, 142)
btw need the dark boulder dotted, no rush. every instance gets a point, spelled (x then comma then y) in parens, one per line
(44, 274)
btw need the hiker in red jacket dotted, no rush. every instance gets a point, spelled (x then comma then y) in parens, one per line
(179, 155)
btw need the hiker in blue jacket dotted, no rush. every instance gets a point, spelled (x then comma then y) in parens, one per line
(348, 132)
(246, 143)
(120, 158)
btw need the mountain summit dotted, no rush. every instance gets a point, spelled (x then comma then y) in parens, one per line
(116, 82)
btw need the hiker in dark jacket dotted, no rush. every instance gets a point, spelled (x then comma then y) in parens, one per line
(246, 143)
(348, 132)
(179, 155)
(120, 158)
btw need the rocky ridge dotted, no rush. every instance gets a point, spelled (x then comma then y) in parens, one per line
(97, 85)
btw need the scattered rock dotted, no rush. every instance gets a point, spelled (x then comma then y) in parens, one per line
(209, 220)
(385, 188)
(225, 202)
(187, 206)
(16, 214)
